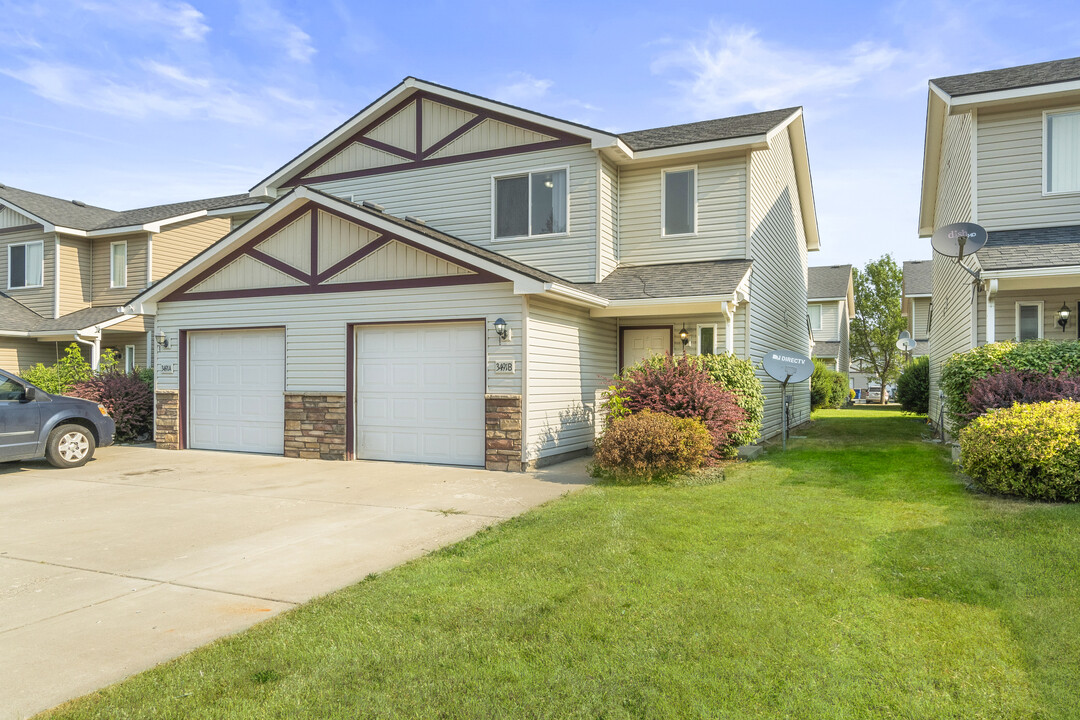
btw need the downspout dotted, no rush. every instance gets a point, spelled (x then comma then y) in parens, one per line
(95, 350)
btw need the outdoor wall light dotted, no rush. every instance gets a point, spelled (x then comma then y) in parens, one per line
(1063, 316)
(501, 329)
(684, 336)
(162, 340)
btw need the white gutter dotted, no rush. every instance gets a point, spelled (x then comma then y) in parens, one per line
(965, 102)
(237, 210)
(1031, 272)
(14, 333)
(575, 295)
(95, 350)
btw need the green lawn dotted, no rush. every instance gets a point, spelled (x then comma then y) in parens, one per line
(853, 577)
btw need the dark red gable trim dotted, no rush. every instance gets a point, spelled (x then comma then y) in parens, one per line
(478, 279)
(181, 413)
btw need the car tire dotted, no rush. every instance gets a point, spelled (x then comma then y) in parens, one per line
(70, 446)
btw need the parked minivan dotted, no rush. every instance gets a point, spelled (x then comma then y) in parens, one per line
(63, 430)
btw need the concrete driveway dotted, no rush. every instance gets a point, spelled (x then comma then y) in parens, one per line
(145, 554)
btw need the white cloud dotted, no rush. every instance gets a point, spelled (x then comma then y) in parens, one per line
(522, 88)
(177, 17)
(261, 19)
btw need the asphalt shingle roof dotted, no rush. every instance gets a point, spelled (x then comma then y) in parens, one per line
(16, 316)
(716, 277)
(707, 130)
(830, 349)
(1021, 76)
(1033, 248)
(142, 216)
(828, 281)
(918, 277)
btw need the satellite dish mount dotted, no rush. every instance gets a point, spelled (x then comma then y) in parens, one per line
(960, 239)
(787, 366)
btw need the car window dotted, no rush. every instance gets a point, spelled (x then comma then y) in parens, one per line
(10, 390)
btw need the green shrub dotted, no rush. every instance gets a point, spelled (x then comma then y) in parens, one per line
(649, 446)
(828, 388)
(1031, 450)
(913, 387)
(1037, 356)
(68, 370)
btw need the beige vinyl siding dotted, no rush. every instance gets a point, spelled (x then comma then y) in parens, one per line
(10, 218)
(441, 120)
(950, 331)
(920, 316)
(457, 199)
(103, 294)
(75, 274)
(830, 322)
(316, 326)
(690, 322)
(778, 277)
(608, 218)
(245, 273)
(119, 340)
(19, 354)
(1010, 175)
(178, 243)
(40, 300)
(721, 215)
(1005, 327)
(571, 358)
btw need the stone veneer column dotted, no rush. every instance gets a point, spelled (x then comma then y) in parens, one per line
(315, 426)
(167, 427)
(503, 440)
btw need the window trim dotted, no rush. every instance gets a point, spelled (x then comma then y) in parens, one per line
(663, 201)
(820, 314)
(528, 174)
(715, 335)
(1046, 191)
(112, 266)
(26, 244)
(129, 358)
(1036, 303)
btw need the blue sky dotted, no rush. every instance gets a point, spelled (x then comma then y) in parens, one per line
(125, 104)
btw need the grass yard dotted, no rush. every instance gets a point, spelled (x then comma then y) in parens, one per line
(853, 577)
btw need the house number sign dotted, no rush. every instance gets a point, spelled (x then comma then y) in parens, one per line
(165, 368)
(503, 366)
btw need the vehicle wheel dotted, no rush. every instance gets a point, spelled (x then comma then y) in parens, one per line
(70, 446)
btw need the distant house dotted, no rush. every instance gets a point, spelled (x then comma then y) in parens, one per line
(1002, 151)
(918, 291)
(830, 305)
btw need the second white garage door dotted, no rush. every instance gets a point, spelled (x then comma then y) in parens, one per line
(420, 393)
(236, 395)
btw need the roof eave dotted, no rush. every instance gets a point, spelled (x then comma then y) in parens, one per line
(963, 103)
(936, 110)
(803, 181)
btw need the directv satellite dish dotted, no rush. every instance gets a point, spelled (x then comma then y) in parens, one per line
(906, 344)
(959, 239)
(787, 367)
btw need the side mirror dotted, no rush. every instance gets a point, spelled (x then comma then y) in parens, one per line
(29, 394)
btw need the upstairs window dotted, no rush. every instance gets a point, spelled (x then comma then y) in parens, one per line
(118, 264)
(26, 265)
(1062, 152)
(679, 201)
(531, 205)
(815, 317)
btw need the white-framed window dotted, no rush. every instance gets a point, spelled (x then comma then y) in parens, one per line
(530, 204)
(1061, 151)
(814, 311)
(26, 265)
(706, 339)
(678, 201)
(1029, 320)
(118, 264)
(129, 358)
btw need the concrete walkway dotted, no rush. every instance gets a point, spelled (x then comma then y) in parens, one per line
(144, 554)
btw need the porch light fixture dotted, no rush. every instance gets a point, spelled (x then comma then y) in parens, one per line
(501, 329)
(162, 340)
(684, 335)
(1063, 316)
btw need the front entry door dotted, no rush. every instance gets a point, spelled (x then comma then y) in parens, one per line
(640, 343)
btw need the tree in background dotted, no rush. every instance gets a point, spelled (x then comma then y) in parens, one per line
(878, 319)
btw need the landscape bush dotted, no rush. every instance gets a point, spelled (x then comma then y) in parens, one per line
(913, 387)
(683, 388)
(1005, 389)
(56, 379)
(1031, 451)
(828, 388)
(126, 397)
(648, 446)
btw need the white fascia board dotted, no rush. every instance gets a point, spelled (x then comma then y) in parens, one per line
(750, 142)
(578, 297)
(801, 159)
(918, 295)
(66, 230)
(824, 300)
(643, 307)
(239, 209)
(88, 331)
(936, 110)
(967, 102)
(14, 333)
(1030, 272)
(49, 227)
(154, 227)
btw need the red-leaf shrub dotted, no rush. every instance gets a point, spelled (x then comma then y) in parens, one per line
(128, 399)
(650, 446)
(1005, 389)
(682, 388)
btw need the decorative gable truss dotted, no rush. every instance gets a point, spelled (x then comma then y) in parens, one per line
(424, 130)
(317, 250)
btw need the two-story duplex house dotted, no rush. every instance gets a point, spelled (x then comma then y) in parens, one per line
(71, 267)
(830, 306)
(918, 291)
(1003, 150)
(445, 278)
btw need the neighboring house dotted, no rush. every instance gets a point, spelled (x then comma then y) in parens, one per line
(449, 279)
(918, 291)
(1003, 150)
(830, 307)
(70, 267)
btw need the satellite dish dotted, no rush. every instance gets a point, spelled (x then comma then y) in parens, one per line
(959, 239)
(906, 344)
(787, 366)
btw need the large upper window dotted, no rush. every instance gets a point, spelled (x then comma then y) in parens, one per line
(531, 204)
(1063, 152)
(679, 201)
(118, 264)
(26, 265)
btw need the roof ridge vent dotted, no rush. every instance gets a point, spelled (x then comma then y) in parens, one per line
(414, 219)
(373, 206)
(80, 203)
(3, 186)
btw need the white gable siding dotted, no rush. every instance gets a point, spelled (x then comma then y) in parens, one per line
(245, 273)
(721, 215)
(457, 199)
(10, 218)
(571, 358)
(778, 278)
(608, 219)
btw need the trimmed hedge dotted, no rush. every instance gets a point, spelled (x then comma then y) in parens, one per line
(127, 398)
(828, 388)
(913, 387)
(1031, 451)
(649, 446)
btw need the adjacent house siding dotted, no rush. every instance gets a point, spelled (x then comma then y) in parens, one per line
(830, 322)
(951, 326)
(843, 359)
(75, 274)
(457, 199)
(778, 278)
(41, 299)
(608, 219)
(136, 269)
(571, 358)
(721, 215)
(180, 242)
(920, 316)
(1010, 174)
(18, 354)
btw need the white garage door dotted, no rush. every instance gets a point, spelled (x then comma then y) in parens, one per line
(420, 393)
(236, 390)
